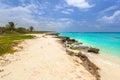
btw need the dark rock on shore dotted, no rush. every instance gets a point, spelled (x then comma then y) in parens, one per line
(84, 48)
(91, 67)
(68, 40)
(63, 39)
(94, 50)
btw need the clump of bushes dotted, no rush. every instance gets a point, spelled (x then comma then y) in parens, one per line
(11, 28)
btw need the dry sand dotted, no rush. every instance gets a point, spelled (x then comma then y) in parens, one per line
(42, 58)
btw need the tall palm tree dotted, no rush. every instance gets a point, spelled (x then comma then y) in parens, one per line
(11, 26)
(31, 28)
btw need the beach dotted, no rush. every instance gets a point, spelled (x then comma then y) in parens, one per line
(109, 65)
(42, 58)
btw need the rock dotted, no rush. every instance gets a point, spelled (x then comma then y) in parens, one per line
(90, 66)
(70, 52)
(64, 39)
(85, 48)
(83, 57)
(78, 43)
(79, 54)
(94, 50)
(68, 40)
(71, 41)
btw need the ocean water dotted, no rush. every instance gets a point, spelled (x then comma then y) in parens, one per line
(107, 42)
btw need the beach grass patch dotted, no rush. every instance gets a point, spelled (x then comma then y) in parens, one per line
(7, 41)
(73, 48)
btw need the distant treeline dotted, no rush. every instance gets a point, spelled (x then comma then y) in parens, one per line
(11, 26)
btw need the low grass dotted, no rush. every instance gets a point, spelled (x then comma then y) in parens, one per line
(8, 39)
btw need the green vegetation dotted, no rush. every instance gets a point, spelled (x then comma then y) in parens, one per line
(73, 48)
(11, 26)
(31, 28)
(22, 30)
(7, 42)
(10, 36)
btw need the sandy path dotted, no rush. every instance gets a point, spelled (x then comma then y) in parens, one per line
(43, 59)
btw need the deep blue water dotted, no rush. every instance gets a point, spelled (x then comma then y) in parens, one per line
(107, 42)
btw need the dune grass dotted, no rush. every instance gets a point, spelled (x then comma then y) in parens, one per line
(8, 39)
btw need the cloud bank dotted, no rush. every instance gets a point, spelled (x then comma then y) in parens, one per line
(62, 15)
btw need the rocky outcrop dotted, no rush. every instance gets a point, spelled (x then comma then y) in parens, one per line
(91, 67)
(72, 45)
(68, 40)
(94, 50)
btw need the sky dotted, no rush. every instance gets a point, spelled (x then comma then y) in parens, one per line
(63, 15)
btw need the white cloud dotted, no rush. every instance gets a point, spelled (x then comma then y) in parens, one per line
(25, 16)
(67, 11)
(18, 14)
(111, 19)
(60, 6)
(82, 4)
(109, 8)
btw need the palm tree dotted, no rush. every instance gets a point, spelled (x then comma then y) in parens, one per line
(31, 28)
(11, 26)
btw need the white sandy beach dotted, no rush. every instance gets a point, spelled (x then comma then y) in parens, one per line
(42, 58)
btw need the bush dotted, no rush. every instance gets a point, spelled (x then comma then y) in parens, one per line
(21, 30)
(11, 33)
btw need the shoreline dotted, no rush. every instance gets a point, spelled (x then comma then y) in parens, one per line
(87, 63)
(109, 67)
(43, 58)
(105, 62)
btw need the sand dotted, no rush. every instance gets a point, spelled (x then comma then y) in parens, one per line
(109, 65)
(43, 58)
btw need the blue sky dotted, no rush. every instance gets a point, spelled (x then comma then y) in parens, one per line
(63, 15)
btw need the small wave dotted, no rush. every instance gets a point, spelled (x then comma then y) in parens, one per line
(100, 60)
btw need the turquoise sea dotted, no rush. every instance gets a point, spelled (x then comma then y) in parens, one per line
(107, 42)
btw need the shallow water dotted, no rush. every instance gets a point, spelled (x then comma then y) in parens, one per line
(107, 42)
